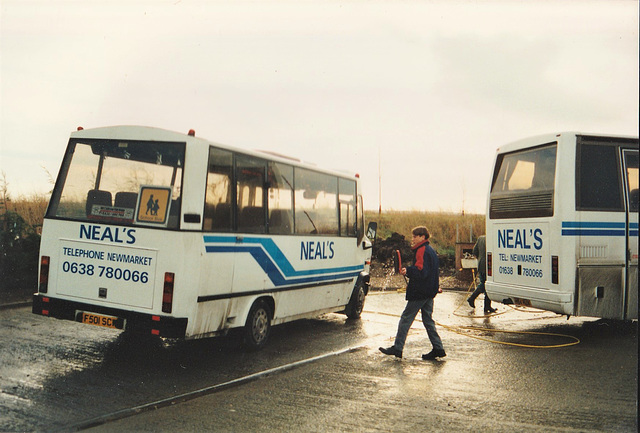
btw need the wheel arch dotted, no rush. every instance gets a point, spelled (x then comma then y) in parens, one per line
(270, 301)
(364, 278)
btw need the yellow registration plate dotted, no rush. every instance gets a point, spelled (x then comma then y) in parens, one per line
(99, 320)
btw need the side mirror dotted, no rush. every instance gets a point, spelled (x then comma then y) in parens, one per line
(372, 230)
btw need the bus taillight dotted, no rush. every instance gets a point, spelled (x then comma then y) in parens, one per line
(167, 292)
(489, 265)
(554, 269)
(44, 274)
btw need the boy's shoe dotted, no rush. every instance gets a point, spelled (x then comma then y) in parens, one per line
(391, 351)
(490, 310)
(471, 303)
(434, 354)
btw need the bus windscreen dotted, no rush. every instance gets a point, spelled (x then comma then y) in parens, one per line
(114, 181)
(523, 183)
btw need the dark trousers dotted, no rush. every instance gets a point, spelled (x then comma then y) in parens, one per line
(425, 306)
(480, 289)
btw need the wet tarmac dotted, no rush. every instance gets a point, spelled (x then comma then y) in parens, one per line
(557, 375)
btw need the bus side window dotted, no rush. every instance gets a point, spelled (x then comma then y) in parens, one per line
(316, 203)
(250, 182)
(280, 198)
(598, 180)
(217, 208)
(631, 166)
(347, 199)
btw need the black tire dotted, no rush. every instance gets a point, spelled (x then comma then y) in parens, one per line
(258, 326)
(356, 303)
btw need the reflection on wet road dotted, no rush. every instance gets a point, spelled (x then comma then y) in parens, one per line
(55, 375)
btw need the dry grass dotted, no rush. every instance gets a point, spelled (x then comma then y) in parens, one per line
(441, 225)
(31, 208)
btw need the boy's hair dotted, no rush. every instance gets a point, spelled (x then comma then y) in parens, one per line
(421, 231)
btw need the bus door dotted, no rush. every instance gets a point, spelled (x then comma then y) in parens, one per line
(630, 161)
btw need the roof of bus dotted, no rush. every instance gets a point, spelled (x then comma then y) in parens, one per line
(552, 137)
(148, 133)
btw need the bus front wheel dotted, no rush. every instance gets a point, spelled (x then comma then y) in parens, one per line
(258, 326)
(356, 303)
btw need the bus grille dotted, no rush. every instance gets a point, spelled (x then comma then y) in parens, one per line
(522, 206)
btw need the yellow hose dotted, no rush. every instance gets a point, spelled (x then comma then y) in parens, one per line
(457, 329)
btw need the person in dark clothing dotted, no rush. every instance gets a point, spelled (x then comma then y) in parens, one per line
(480, 251)
(423, 286)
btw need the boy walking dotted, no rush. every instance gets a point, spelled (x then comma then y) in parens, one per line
(422, 288)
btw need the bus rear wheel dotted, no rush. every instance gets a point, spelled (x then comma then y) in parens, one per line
(258, 326)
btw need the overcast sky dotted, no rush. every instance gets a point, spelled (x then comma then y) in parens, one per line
(426, 90)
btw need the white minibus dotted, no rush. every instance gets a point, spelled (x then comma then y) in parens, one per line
(172, 235)
(562, 225)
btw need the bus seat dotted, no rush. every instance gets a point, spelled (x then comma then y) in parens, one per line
(633, 200)
(251, 219)
(174, 213)
(174, 210)
(222, 217)
(126, 200)
(209, 215)
(97, 197)
(280, 222)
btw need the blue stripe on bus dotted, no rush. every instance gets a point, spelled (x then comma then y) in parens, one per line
(592, 224)
(273, 261)
(594, 228)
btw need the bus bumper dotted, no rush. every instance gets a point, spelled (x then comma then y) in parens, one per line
(140, 323)
(551, 300)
